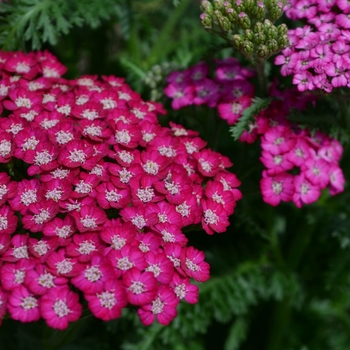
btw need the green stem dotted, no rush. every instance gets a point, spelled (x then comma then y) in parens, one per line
(260, 68)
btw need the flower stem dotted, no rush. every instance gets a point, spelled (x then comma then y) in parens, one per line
(260, 68)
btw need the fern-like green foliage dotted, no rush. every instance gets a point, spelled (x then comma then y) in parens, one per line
(42, 21)
(258, 104)
(223, 299)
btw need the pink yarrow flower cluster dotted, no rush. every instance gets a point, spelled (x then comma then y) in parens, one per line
(230, 91)
(103, 195)
(298, 164)
(318, 57)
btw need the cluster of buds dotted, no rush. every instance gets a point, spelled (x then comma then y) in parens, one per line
(94, 195)
(155, 77)
(248, 25)
(318, 57)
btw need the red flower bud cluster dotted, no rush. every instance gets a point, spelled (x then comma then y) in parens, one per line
(94, 193)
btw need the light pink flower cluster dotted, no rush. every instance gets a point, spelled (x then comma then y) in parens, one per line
(95, 195)
(318, 57)
(298, 164)
(230, 90)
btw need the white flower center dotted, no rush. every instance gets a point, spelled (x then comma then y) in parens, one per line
(145, 195)
(64, 266)
(124, 264)
(118, 242)
(86, 247)
(157, 306)
(3, 223)
(23, 102)
(46, 280)
(60, 308)
(137, 287)
(93, 274)
(88, 222)
(210, 217)
(151, 167)
(42, 158)
(42, 217)
(5, 148)
(29, 303)
(139, 221)
(107, 299)
(28, 197)
(20, 252)
(77, 155)
(63, 137)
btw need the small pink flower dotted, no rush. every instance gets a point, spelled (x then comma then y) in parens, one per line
(232, 111)
(59, 306)
(305, 192)
(215, 217)
(277, 188)
(193, 264)
(23, 306)
(107, 304)
(39, 214)
(336, 179)
(160, 266)
(89, 218)
(162, 307)
(141, 287)
(39, 280)
(182, 95)
(126, 258)
(183, 289)
(8, 220)
(92, 278)
(278, 140)
(118, 234)
(316, 171)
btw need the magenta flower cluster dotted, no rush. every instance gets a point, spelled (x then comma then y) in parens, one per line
(95, 196)
(318, 56)
(298, 164)
(230, 90)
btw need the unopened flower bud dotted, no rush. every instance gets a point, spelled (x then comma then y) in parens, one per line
(259, 38)
(258, 11)
(206, 7)
(249, 5)
(282, 30)
(206, 21)
(263, 52)
(272, 45)
(283, 42)
(223, 22)
(248, 34)
(243, 20)
(272, 33)
(218, 5)
(237, 41)
(275, 9)
(247, 48)
(231, 14)
(258, 28)
(238, 5)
